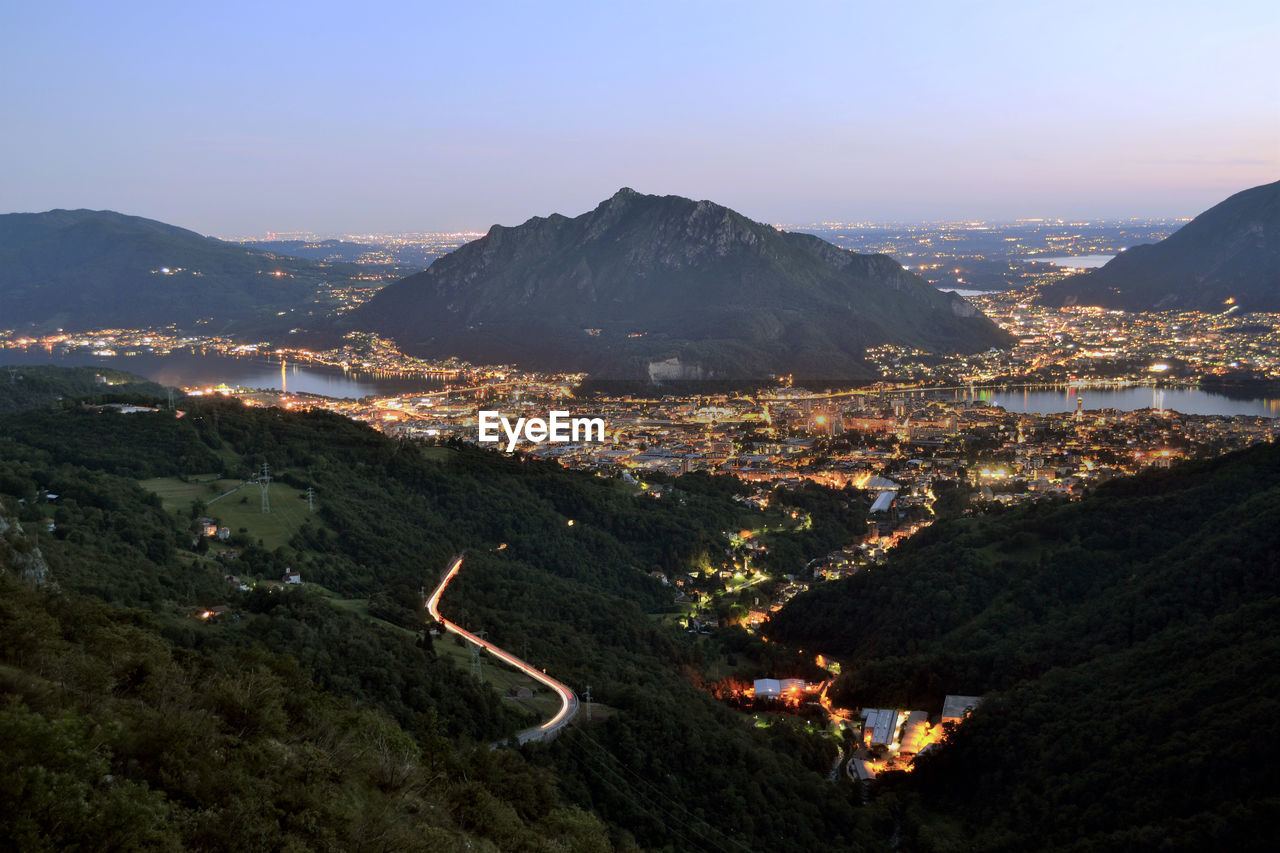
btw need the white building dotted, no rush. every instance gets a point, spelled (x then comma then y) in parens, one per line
(768, 687)
(956, 708)
(881, 726)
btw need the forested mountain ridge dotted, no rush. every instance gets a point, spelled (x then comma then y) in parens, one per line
(389, 515)
(1118, 639)
(116, 736)
(33, 387)
(1113, 633)
(93, 269)
(663, 287)
(1227, 256)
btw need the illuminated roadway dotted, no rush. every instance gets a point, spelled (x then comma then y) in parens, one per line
(568, 700)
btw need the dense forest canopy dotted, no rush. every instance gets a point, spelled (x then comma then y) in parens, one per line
(1129, 640)
(388, 517)
(1125, 644)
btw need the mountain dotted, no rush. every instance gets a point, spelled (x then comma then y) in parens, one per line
(36, 386)
(668, 288)
(93, 269)
(1228, 255)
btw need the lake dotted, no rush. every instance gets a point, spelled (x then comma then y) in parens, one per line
(195, 368)
(960, 291)
(1188, 401)
(1073, 261)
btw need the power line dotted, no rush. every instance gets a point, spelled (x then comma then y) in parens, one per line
(655, 790)
(652, 808)
(264, 481)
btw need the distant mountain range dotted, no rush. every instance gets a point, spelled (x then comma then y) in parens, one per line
(90, 269)
(1228, 255)
(662, 287)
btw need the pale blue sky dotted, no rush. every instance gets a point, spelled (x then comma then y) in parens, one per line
(233, 119)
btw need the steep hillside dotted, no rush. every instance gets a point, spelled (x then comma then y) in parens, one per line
(1114, 636)
(95, 269)
(668, 288)
(355, 722)
(1227, 256)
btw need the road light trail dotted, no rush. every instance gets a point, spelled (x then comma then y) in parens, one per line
(568, 701)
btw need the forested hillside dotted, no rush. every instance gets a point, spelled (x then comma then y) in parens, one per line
(662, 765)
(1129, 640)
(1126, 644)
(94, 269)
(30, 386)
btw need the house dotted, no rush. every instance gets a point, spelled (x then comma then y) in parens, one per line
(292, 577)
(881, 726)
(792, 687)
(223, 534)
(956, 708)
(914, 732)
(884, 501)
(206, 526)
(768, 687)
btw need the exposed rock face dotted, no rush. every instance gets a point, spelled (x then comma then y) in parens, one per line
(665, 287)
(671, 370)
(18, 552)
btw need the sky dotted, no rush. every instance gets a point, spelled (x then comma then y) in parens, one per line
(235, 119)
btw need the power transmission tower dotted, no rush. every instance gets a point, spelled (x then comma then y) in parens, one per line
(311, 499)
(264, 482)
(477, 663)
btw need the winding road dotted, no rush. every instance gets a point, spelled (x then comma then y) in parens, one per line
(568, 700)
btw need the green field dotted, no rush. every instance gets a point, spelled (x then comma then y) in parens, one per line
(437, 454)
(241, 509)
